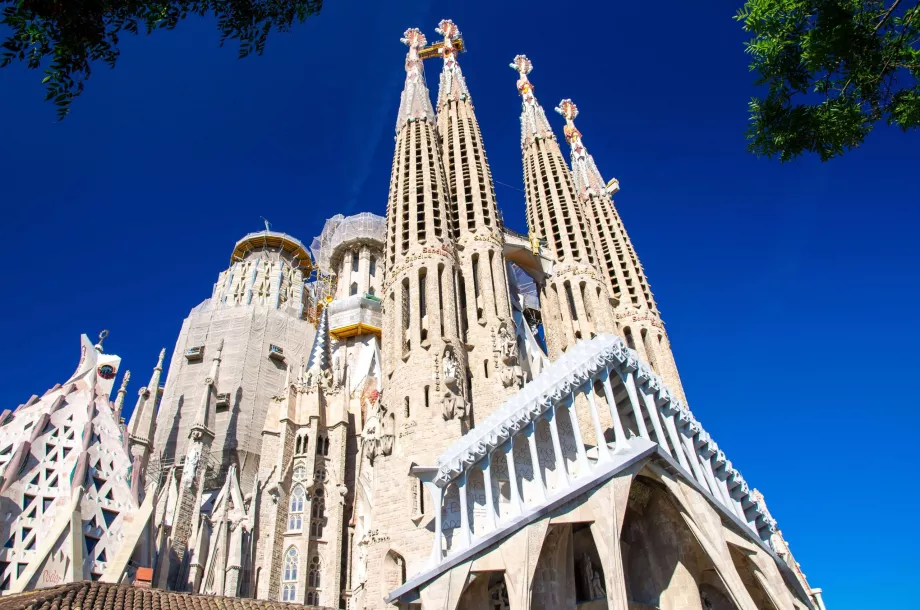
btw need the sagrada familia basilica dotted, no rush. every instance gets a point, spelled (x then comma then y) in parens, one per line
(422, 410)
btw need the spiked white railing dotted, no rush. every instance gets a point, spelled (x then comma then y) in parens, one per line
(559, 462)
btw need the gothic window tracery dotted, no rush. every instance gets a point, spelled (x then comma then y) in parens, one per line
(289, 582)
(295, 514)
(313, 580)
(318, 514)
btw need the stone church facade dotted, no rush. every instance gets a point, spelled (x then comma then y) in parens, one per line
(422, 410)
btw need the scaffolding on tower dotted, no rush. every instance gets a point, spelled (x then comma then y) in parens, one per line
(338, 231)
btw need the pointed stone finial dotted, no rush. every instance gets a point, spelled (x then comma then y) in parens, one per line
(120, 397)
(453, 84)
(449, 30)
(102, 337)
(569, 111)
(160, 359)
(534, 125)
(588, 180)
(124, 382)
(414, 105)
(414, 39)
(522, 65)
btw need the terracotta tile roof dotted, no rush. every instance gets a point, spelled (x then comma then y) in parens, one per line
(86, 595)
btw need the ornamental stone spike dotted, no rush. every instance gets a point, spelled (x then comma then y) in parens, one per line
(120, 397)
(534, 125)
(588, 179)
(453, 83)
(415, 103)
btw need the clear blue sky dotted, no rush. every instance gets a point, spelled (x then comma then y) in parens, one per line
(789, 291)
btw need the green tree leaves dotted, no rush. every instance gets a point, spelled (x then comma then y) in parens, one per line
(832, 70)
(69, 36)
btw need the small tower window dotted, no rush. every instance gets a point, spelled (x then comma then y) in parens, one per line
(373, 266)
(354, 288)
(354, 262)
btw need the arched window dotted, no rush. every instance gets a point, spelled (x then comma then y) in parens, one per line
(291, 564)
(312, 598)
(299, 441)
(314, 578)
(354, 262)
(354, 288)
(371, 291)
(373, 266)
(295, 516)
(319, 445)
(319, 505)
(326, 446)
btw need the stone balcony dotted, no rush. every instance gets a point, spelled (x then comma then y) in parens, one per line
(355, 315)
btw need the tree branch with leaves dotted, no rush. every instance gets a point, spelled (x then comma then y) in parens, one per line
(832, 70)
(67, 37)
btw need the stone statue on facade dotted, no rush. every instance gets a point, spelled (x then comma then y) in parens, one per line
(511, 373)
(506, 345)
(190, 468)
(450, 368)
(452, 406)
(594, 588)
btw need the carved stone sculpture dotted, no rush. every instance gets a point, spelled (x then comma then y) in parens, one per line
(506, 345)
(591, 579)
(190, 469)
(450, 367)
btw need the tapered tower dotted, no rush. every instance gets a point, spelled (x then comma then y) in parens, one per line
(637, 317)
(486, 325)
(575, 301)
(424, 403)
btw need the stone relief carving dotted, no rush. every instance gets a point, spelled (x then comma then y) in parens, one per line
(506, 350)
(379, 431)
(506, 345)
(452, 406)
(450, 367)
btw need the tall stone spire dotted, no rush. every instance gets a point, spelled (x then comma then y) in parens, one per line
(423, 356)
(143, 420)
(204, 418)
(638, 320)
(485, 309)
(172, 570)
(575, 300)
(120, 398)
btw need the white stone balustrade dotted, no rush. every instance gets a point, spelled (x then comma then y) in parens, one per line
(531, 451)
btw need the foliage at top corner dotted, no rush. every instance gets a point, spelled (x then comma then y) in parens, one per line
(831, 70)
(66, 37)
